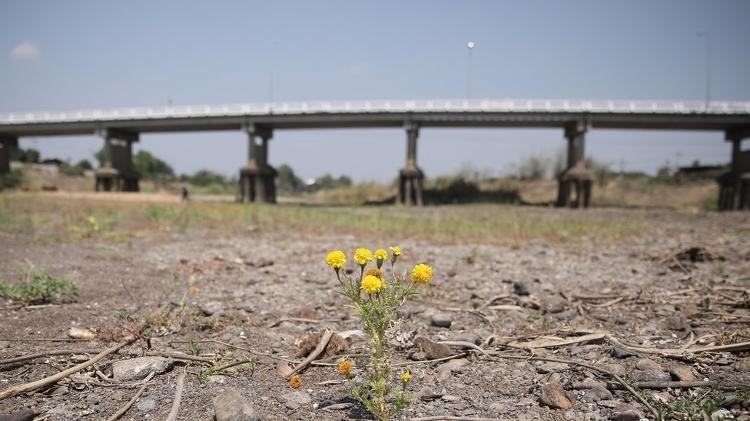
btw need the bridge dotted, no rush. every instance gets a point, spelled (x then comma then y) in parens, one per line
(119, 128)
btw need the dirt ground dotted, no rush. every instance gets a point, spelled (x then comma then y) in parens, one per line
(647, 310)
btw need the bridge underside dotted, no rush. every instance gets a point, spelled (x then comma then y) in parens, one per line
(120, 128)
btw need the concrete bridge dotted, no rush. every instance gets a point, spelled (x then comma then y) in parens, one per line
(119, 128)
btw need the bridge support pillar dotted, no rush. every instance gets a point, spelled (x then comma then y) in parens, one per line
(257, 181)
(411, 177)
(117, 172)
(734, 185)
(7, 145)
(575, 178)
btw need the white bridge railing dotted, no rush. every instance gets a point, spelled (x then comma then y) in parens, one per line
(383, 106)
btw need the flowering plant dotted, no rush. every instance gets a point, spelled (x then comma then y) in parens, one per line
(375, 298)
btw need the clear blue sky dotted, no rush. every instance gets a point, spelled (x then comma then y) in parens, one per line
(98, 54)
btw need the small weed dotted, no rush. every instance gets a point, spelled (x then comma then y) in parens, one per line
(41, 288)
(225, 369)
(193, 348)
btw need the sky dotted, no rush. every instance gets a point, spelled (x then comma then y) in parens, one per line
(69, 55)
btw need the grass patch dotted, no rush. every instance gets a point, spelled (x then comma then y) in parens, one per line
(40, 288)
(54, 219)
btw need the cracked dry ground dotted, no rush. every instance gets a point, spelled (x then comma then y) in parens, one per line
(256, 290)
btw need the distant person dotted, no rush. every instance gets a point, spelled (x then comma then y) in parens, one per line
(184, 193)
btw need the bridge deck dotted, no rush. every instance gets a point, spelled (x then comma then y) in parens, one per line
(690, 115)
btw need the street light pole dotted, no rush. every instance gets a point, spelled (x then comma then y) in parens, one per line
(471, 46)
(707, 35)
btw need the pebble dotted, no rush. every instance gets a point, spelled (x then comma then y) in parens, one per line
(441, 320)
(554, 304)
(146, 404)
(625, 412)
(677, 322)
(212, 308)
(232, 406)
(743, 364)
(682, 372)
(550, 367)
(296, 399)
(553, 395)
(444, 370)
(646, 364)
(621, 353)
(650, 376)
(450, 398)
(139, 368)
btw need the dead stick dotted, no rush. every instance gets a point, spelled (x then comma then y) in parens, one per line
(450, 357)
(465, 344)
(622, 382)
(26, 387)
(449, 418)
(687, 385)
(120, 412)
(22, 358)
(177, 398)
(327, 334)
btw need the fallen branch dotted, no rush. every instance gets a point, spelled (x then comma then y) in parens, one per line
(449, 418)
(228, 345)
(27, 387)
(120, 412)
(685, 385)
(292, 319)
(676, 352)
(23, 358)
(450, 357)
(177, 398)
(465, 344)
(555, 342)
(327, 334)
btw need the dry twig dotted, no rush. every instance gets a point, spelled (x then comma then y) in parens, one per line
(120, 412)
(177, 397)
(327, 334)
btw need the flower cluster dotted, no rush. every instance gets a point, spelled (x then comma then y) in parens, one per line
(376, 297)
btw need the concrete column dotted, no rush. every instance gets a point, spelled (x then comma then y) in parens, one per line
(575, 133)
(734, 185)
(117, 172)
(257, 178)
(7, 146)
(410, 183)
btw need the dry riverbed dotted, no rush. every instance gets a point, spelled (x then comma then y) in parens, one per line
(535, 328)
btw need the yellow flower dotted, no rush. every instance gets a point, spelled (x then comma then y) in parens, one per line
(380, 256)
(336, 259)
(372, 284)
(362, 256)
(396, 251)
(421, 273)
(295, 382)
(194, 290)
(405, 377)
(345, 367)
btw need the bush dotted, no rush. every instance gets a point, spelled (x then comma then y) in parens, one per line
(41, 288)
(11, 180)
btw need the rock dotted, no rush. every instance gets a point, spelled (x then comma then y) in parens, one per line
(588, 383)
(621, 353)
(629, 415)
(677, 322)
(139, 368)
(296, 399)
(431, 349)
(212, 308)
(646, 364)
(598, 393)
(146, 404)
(614, 368)
(426, 394)
(608, 403)
(25, 415)
(216, 379)
(232, 406)
(450, 398)
(520, 288)
(682, 372)
(444, 370)
(721, 414)
(650, 376)
(284, 369)
(81, 333)
(441, 320)
(554, 304)
(553, 395)
(743, 364)
(550, 367)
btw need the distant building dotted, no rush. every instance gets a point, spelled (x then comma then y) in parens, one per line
(699, 172)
